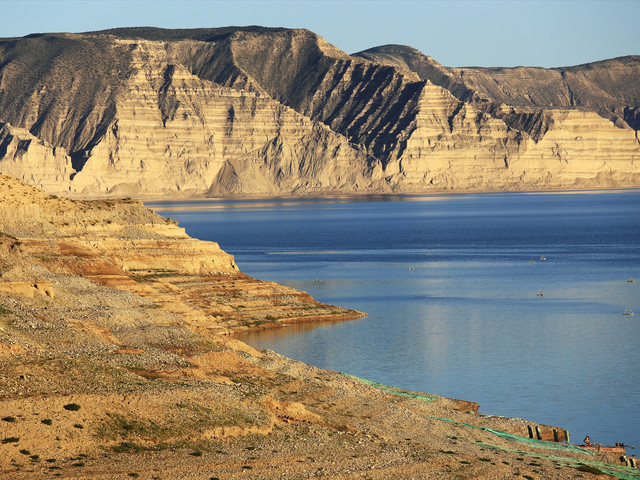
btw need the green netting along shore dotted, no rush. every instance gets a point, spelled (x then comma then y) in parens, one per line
(394, 390)
(620, 471)
(532, 442)
(507, 436)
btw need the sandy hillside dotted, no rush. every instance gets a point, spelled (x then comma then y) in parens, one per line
(116, 362)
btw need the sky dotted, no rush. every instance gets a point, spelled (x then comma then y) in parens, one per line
(491, 33)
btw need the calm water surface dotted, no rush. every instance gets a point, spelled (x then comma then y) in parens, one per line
(450, 291)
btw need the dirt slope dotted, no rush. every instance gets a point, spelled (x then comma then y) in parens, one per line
(116, 362)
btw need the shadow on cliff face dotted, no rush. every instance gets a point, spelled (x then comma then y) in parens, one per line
(632, 117)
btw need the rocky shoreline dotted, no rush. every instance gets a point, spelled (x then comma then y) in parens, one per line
(116, 362)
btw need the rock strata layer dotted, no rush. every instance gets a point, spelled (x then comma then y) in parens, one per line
(217, 112)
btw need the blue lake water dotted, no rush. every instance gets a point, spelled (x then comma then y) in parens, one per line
(450, 284)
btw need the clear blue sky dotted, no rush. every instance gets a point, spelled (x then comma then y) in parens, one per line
(506, 33)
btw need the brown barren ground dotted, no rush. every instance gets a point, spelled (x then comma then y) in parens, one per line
(116, 362)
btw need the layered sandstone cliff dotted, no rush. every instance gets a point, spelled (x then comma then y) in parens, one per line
(31, 160)
(175, 132)
(214, 112)
(469, 149)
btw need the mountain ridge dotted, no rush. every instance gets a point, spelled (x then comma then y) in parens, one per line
(148, 111)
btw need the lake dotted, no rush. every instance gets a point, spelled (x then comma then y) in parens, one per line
(450, 284)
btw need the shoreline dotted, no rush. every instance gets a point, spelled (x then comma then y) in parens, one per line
(218, 203)
(297, 321)
(342, 195)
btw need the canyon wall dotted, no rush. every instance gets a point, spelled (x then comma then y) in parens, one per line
(233, 111)
(175, 132)
(468, 149)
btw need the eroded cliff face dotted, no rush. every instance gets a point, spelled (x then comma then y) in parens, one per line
(33, 161)
(217, 112)
(456, 146)
(603, 87)
(609, 87)
(523, 128)
(133, 237)
(175, 132)
(61, 87)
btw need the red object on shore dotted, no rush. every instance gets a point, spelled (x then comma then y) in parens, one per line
(601, 448)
